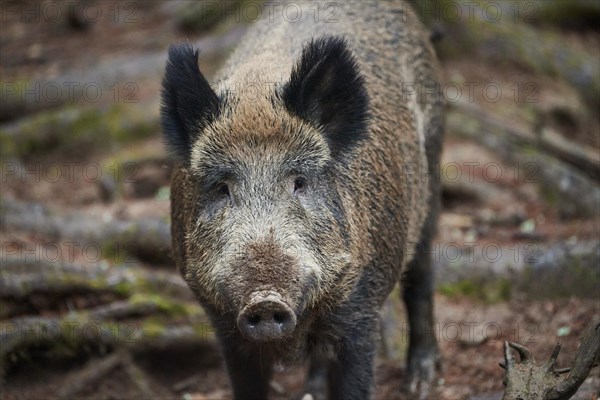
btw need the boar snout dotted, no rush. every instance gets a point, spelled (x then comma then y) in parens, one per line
(266, 317)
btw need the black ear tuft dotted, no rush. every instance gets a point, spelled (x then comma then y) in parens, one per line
(327, 89)
(188, 101)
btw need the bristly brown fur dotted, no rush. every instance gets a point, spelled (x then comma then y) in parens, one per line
(327, 103)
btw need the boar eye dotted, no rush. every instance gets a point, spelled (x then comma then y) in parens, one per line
(223, 189)
(299, 184)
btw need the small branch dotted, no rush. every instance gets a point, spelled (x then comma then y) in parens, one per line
(524, 353)
(97, 370)
(588, 353)
(138, 377)
(93, 372)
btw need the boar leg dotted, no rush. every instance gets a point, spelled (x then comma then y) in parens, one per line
(249, 371)
(418, 297)
(350, 375)
(316, 381)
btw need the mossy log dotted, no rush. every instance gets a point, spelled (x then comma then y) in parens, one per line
(153, 309)
(77, 333)
(148, 238)
(73, 130)
(46, 284)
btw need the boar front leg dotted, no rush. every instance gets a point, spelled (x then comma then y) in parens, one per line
(316, 380)
(249, 370)
(351, 373)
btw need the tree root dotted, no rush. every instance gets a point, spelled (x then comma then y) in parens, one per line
(526, 380)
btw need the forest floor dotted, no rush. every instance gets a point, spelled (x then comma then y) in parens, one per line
(512, 262)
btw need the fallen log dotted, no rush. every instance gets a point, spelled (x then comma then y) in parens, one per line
(89, 333)
(21, 98)
(580, 156)
(147, 308)
(567, 188)
(148, 238)
(20, 279)
(27, 287)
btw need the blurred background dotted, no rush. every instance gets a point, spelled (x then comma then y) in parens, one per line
(90, 301)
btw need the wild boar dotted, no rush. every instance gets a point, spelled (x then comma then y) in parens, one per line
(303, 192)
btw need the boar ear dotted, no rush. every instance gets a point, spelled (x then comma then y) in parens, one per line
(188, 101)
(327, 90)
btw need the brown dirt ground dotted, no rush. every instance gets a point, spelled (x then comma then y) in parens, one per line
(470, 357)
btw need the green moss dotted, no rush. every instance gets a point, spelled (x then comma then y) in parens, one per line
(164, 304)
(119, 124)
(202, 16)
(114, 251)
(77, 130)
(549, 194)
(489, 291)
(123, 288)
(7, 146)
(118, 164)
(198, 17)
(212, 16)
(578, 276)
(461, 288)
(153, 327)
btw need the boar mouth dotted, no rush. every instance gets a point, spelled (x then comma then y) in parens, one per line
(266, 317)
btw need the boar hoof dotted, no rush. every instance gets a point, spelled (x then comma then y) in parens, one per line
(266, 319)
(421, 374)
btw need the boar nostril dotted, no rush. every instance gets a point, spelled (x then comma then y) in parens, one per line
(253, 319)
(279, 318)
